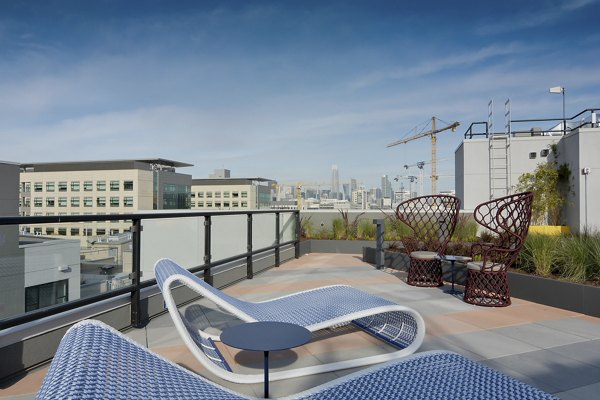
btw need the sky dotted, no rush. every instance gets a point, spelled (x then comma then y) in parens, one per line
(284, 89)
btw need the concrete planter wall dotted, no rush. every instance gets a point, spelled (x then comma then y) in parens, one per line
(334, 246)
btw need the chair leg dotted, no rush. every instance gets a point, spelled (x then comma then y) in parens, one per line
(424, 273)
(489, 289)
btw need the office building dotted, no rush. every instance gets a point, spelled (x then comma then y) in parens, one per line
(232, 193)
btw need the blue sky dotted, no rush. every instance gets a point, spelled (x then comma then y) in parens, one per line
(282, 89)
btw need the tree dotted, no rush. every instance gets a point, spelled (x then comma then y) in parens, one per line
(544, 183)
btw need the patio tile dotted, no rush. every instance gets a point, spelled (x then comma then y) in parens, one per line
(587, 352)
(441, 343)
(581, 393)
(546, 369)
(489, 344)
(442, 325)
(576, 326)
(539, 335)
(490, 318)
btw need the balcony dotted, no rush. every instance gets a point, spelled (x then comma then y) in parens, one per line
(555, 350)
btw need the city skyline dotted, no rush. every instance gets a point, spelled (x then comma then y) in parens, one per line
(279, 89)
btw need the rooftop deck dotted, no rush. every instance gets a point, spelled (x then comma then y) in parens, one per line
(555, 350)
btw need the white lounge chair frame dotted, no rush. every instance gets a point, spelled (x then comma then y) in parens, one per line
(324, 307)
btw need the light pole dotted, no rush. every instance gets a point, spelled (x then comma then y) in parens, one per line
(561, 90)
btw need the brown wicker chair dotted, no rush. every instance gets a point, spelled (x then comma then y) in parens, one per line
(432, 220)
(508, 217)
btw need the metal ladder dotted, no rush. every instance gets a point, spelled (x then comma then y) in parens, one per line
(499, 159)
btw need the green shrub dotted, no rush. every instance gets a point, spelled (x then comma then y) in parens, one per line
(539, 254)
(395, 229)
(307, 229)
(366, 230)
(339, 231)
(466, 229)
(324, 233)
(574, 260)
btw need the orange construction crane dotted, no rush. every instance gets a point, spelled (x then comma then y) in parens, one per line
(432, 132)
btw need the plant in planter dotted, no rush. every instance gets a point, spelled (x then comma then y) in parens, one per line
(539, 254)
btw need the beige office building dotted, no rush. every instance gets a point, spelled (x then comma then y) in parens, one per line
(100, 188)
(232, 193)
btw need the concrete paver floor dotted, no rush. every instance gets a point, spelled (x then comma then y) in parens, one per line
(555, 350)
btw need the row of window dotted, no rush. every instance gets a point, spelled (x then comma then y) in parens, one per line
(73, 231)
(88, 186)
(114, 201)
(225, 195)
(219, 204)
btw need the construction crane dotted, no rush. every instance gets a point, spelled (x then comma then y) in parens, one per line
(432, 132)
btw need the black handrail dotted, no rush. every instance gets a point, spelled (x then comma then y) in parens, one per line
(137, 285)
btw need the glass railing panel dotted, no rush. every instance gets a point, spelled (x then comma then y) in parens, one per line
(180, 239)
(263, 230)
(229, 236)
(43, 265)
(287, 227)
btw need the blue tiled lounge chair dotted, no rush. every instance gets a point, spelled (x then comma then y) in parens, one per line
(324, 307)
(94, 361)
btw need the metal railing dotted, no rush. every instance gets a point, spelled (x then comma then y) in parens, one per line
(136, 230)
(564, 129)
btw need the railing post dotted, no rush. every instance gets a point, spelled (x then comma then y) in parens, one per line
(249, 266)
(207, 256)
(379, 256)
(277, 240)
(136, 230)
(297, 244)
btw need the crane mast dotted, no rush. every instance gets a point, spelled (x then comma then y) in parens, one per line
(432, 133)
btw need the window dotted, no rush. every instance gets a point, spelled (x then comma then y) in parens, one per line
(37, 231)
(114, 231)
(49, 186)
(74, 201)
(245, 204)
(217, 194)
(62, 186)
(200, 204)
(62, 231)
(193, 195)
(50, 231)
(87, 231)
(532, 155)
(49, 201)
(115, 186)
(244, 195)
(88, 186)
(114, 202)
(26, 187)
(62, 201)
(37, 201)
(218, 204)
(38, 187)
(128, 185)
(200, 195)
(235, 204)
(48, 214)
(27, 201)
(209, 204)
(226, 195)
(46, 295)
(75, 186)
(128, 201)
(100, 231)
(226, 204)
(209, 195)
(87, 201)
(101, 201)
(74, 231)
(101, 186)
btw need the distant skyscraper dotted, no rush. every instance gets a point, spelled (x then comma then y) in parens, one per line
(386, 187)
(346, 190)
(335, 182)
(353, 185)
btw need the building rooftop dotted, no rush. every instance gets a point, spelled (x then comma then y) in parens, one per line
(555, 350)
(100, 165)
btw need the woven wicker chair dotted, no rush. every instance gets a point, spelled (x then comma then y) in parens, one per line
(508, 217)
(432, 220)
(94, 361)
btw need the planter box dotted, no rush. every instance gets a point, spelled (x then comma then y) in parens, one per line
(570, 296)
(334, 246)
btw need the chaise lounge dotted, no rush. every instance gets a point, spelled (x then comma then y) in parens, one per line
(94, 361)
(326, 307)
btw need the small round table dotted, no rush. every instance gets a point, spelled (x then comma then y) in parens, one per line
(452, 260)
(265, 337)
